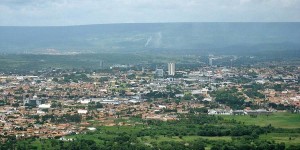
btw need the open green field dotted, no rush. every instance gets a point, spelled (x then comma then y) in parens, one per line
(278, 120)
(210, 131)
(183, 138)
(287, 138)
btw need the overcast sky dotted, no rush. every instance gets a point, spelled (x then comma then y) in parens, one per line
(78, 12)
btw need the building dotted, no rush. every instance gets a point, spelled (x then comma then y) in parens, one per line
(101, 64)
(44, 106)
(159, 72)
(34, 101)
(171, 69)
(210, 61)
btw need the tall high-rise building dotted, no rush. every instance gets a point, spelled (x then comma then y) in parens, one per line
(101, 64)
(210, 61)
(171, 69)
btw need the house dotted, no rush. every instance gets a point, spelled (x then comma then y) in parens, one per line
(219, 112)
(258, 112)
(238, 112)
(82, 111)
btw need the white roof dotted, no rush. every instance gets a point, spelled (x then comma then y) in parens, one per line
(82, 111)
(91, 128)
(44, 106)
(40, 112)
(162, 106)
(207, 99)
(85, 101)
(196, 92)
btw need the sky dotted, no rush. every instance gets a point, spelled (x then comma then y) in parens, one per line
(81, 12)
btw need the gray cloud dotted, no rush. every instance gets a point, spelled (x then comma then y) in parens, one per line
(74, 12)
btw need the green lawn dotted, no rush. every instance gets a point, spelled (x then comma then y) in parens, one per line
(287, 138)
(279, 120)
(282, 120)
(149, 139)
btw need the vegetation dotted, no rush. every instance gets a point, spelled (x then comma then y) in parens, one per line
(278, 120)
(189, 132)
(230, 97)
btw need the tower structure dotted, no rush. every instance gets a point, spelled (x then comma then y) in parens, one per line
(171, 69)
(210, 61)
(101, 64)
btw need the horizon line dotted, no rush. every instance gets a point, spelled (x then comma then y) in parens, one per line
(142, 23)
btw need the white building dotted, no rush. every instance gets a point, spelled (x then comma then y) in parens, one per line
(162, 106)
(82, 111)
(171, 69)
(159, 72)
(85, 101)
(210, 61)
(44, 106)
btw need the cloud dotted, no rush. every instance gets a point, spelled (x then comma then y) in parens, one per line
(75, 12)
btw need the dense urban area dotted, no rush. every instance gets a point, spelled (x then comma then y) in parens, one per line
(152, 106)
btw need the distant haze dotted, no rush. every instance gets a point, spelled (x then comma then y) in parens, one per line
(174, 37)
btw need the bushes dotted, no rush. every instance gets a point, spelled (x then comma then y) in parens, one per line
(154, 134)
(246, 145)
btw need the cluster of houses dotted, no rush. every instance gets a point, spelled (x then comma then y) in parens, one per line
(104, 97)
(238, 112)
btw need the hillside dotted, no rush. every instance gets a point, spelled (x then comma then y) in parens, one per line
(229, 38)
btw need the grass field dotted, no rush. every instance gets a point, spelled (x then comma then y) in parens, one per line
(279, 120)
(282, 120)
(184, 138)
(287, 138)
